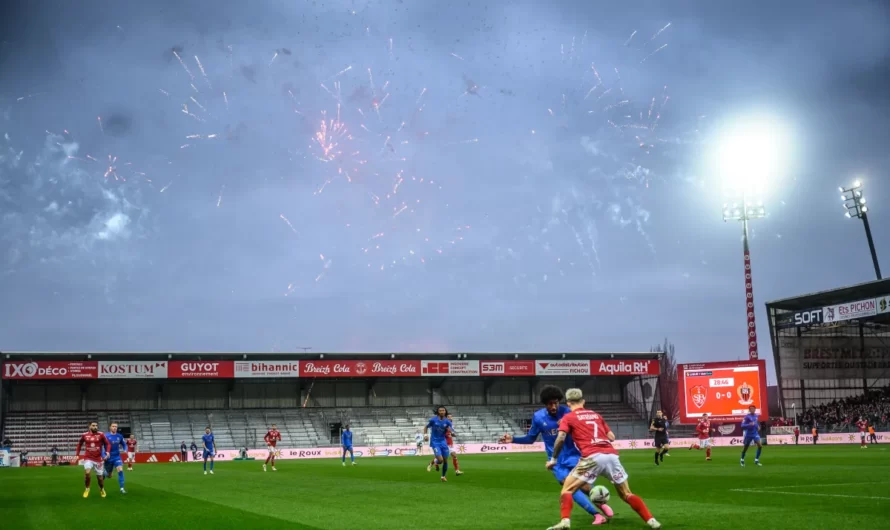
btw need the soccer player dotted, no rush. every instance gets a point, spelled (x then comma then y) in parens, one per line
(796, 434)
(815, 434)
(194, 450)
(594, 440)
(546, 423)
(450, 441)
(346, 442)
(418, 439)
(751, 428)
(872, 437)
(437, 427)
(94, 443)
(659, 427)
(113, 459)
(131, 452)
(863, 428)
(272, 437)
(182, 452)
(209, 449)
(703, 430)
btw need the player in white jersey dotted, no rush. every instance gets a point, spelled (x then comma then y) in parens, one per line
(418, 439)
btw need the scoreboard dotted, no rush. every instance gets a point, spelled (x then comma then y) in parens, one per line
(722, 390)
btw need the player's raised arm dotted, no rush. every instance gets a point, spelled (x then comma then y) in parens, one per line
(531, 437)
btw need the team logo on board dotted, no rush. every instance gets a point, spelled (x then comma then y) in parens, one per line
(746, 394)
(699, 395)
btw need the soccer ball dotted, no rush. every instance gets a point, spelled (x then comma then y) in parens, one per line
(599, 495)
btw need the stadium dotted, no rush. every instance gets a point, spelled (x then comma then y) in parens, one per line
(166, 400)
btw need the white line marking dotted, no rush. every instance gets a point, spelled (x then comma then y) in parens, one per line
(822, 485)
(774, 492)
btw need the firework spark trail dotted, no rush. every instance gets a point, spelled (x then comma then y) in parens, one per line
(226, 99)
(630, 38)
(343, 71)
(663, 46)
(165, 187)
(286, 220)
(203, 73)
(422, 92)
(456, 56)
(101, 128)
(164, 92)
(273, 58)
(659, 32)
(178, 58)
(219, 199)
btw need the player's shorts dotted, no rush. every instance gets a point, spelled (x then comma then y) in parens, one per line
(440, 449)
(863, 435)
(704, 444)
(609, 466)
(90, 465)
(209, 454)
(661, 441)
(347, 449)
(751, 439)
(561, 473)
(420, 445)
(272, 450)
(131, 456)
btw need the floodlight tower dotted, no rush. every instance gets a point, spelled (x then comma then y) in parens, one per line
(854, 203)
(751, 155)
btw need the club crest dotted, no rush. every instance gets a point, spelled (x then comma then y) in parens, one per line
(746, 394)
(699, 395)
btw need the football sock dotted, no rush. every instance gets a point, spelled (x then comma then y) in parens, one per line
(101, 480)
(565, 505)
(120, 478)
(656, 457)
(696, 446)
(211, 465)
(708, 452)
(444, 467)
(661, 457)
(352, 456)
(583, 500)
(205, 465)
(273, 461)
(454, 462)
(639, 506)
(86, 480)
(745, 450)
(757, 455)
(267, 458)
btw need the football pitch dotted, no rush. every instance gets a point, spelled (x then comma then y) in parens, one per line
(799, 487)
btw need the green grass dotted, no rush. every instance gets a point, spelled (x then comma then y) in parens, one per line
(798, 487)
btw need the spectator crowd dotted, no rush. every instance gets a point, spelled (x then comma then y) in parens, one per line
(874, 406)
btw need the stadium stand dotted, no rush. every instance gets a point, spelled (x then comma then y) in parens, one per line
(841, 415)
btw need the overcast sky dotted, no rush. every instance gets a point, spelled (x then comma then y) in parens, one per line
(388, 175)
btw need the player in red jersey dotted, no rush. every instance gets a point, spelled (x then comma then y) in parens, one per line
(131, 452)
(593, 438)
(93, 442)
(863, 431)
(703, 430)
(272, 437)
(450, 441)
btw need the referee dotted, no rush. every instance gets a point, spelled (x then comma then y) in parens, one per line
(659, 427)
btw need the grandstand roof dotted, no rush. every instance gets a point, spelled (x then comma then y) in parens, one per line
(330, 355)
(852, 293)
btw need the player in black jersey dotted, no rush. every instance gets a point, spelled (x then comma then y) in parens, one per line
(659, 427)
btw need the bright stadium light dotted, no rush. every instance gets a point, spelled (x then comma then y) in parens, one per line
(855, 204)
(752, 154)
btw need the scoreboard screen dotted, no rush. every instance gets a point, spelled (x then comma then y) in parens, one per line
(722, 390)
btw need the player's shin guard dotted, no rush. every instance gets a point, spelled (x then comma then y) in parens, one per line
(205, 465)
(757, 454)
(582, 500)
(639, 506)
(565, 505)
(272, 459)
(708, 452)
(454, 461)
(101, 480)
(444, 467)
(120, 479)
(211, 465)
(268, 458)
(86, 480)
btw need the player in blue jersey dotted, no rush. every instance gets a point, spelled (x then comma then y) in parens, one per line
(545, 422)
(435, 432)
(113, 459)
(751, 428)
(346, 442)
(209, 449)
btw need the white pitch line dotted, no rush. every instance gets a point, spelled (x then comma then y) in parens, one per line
(774, 492)
(822, 485)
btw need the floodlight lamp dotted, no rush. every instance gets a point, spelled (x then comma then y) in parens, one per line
(862, 200)
(848, 215)
(864, 209)
(841, 189)
(857, 184)
(752, 154)
(857, 193)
